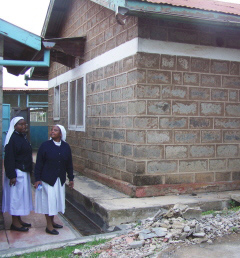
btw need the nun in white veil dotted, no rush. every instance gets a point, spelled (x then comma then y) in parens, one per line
(17, 193)
(53, 164)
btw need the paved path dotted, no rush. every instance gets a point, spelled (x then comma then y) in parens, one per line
(14, 241)
(225, 247)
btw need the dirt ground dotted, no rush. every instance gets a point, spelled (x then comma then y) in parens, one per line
(224, 247)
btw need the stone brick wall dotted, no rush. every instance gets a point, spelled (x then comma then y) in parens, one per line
(152, 128)
(194, 117)
(110, 94)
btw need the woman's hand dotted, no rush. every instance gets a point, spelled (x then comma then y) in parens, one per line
(13, 181)
(37, 183)
(71, 184)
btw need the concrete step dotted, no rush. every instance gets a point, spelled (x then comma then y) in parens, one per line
(108, 207)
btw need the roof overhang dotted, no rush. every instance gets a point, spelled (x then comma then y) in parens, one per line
(181, 13)
(183, 10)
(63, 51)
(23, 50)
(18, 44)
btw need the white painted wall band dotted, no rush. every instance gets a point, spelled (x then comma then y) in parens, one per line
(148, 46)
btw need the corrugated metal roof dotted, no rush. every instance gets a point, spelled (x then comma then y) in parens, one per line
(54, 18)
(207, 5)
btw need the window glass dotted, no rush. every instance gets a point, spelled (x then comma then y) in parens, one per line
(80, 101)
(38, 115)
(72, 102)
(76, 104)
(56, 106)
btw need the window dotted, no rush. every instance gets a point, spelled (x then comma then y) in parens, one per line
(37, 100)
(38, 115)
(56, 103)
(76, 105)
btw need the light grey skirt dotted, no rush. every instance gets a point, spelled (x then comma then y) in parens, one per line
(17, 200)
(50, 199)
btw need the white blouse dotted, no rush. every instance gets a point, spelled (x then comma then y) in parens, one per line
(57, 143)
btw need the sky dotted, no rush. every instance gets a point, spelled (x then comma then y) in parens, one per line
(29, 15)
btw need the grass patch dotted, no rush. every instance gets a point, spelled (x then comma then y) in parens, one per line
(208, 212)
(64, 252)
(225, 212)
(235, 229)
(233, 204)
(237, 208)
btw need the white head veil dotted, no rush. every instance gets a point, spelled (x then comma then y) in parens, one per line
(11, 128)
(63, 131)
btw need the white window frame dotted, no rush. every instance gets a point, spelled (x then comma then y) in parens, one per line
(56, 103)
(76, 127)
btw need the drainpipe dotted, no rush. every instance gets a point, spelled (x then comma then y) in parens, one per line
(44, 63)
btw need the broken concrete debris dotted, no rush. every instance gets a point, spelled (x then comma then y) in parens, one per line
(180, 224)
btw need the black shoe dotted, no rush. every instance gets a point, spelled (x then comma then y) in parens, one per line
(53, 232)
(22, 229)
(24, 224)
(57, 226)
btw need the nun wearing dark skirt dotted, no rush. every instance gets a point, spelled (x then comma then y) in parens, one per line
(17, 193)
(53, 164)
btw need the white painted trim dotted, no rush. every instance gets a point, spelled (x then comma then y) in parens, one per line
(180, 49)
(127, 49)
(148, 46)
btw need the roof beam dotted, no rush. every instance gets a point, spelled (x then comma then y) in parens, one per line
(25, 37)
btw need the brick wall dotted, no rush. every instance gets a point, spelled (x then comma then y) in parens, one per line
(152, 128)
(110, 94)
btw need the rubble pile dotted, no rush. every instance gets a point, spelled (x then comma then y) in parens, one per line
(180, 224)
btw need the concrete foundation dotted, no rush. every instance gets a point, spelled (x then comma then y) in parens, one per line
(114, 208)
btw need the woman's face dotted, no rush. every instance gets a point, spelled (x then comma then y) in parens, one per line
(21, 126)
(56, 133)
